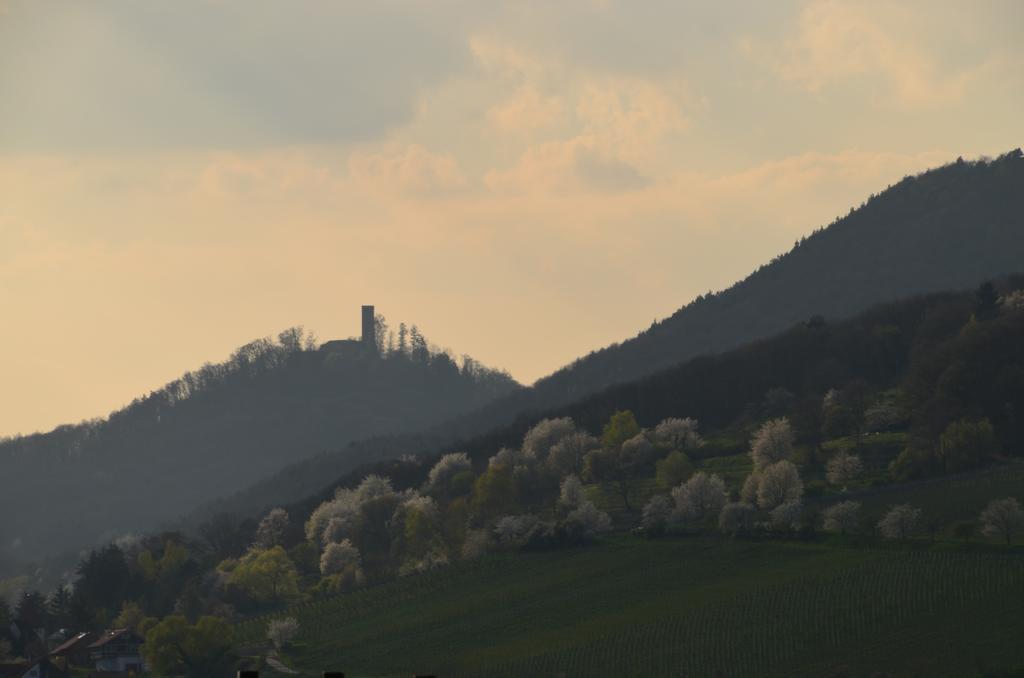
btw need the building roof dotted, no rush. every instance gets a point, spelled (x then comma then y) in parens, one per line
(75, 642)
(114, 634)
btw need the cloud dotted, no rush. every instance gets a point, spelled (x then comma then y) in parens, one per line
(408, 169)
(836, 43)
(219, 74)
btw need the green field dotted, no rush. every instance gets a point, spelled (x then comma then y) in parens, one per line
(683, 606)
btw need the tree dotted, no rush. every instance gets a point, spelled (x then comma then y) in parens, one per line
(843, 468)
(282, 632)
(174, 647)
(447, 467)
(673, 469)
(620, 465)
(494, 492)
(701, 496)
(620, 427)
(986, 301)
(679, 434)
(539, 440)
(779, 483)
(266, 575)
(130, 617)
(786, 516)
(736, 518)
(772, 443)
(966, 443)
(58, 607)
(656, 513)
(403, 340)
(1002, 518)
(591, 518)
(567, 455)
(899, 522)
(842, 517)
(272, 528)
(964, 529)
(339, 557)
(570, 493)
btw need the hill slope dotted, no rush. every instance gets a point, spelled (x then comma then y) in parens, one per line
(948, 228)
(690, 607)
(216, 430)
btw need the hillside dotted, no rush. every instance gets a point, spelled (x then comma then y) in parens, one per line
(593, 536)
(689, 607)
(948, 228)
(219, 429)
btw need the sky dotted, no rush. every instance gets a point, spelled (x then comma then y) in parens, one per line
(525, 181)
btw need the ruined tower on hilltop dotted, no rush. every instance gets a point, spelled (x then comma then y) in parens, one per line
(369, 329)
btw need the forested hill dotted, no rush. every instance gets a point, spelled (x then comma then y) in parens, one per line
(948, 228)
(219, 429)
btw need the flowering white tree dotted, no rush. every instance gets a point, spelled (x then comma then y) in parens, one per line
(842, 517)
(779, 483)
(510, 529)
(449, 466)
(421, 504)
(372, 487)
(1002, 518)
(539, 440)
(282, 631)
(772, 443)
(432, 560)
(271, 529)
(506, 456)
(843, 468)
(338, 557)
(571, 492)
(680, 434)
(748, 493)
(591, 518)
(787, 516)
(567, 455)
(344, 507)
(701, 496)
(900, 522)
(475, 544)
(656, 512)
(736, 517)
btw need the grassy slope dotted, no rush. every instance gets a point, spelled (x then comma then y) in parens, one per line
(683, 606)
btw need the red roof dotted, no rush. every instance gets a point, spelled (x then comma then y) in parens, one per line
(111, 635)
(72, 643)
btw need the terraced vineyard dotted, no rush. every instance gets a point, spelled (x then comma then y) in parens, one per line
(688, 607)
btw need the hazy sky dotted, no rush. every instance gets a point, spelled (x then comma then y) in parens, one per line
(526, 181)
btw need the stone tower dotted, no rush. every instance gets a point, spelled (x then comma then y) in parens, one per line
(369, 329)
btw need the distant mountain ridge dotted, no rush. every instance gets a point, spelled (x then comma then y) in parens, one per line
(220, 429)
(947, 228)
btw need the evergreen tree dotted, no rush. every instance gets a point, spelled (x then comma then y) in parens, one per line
(986, 303)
